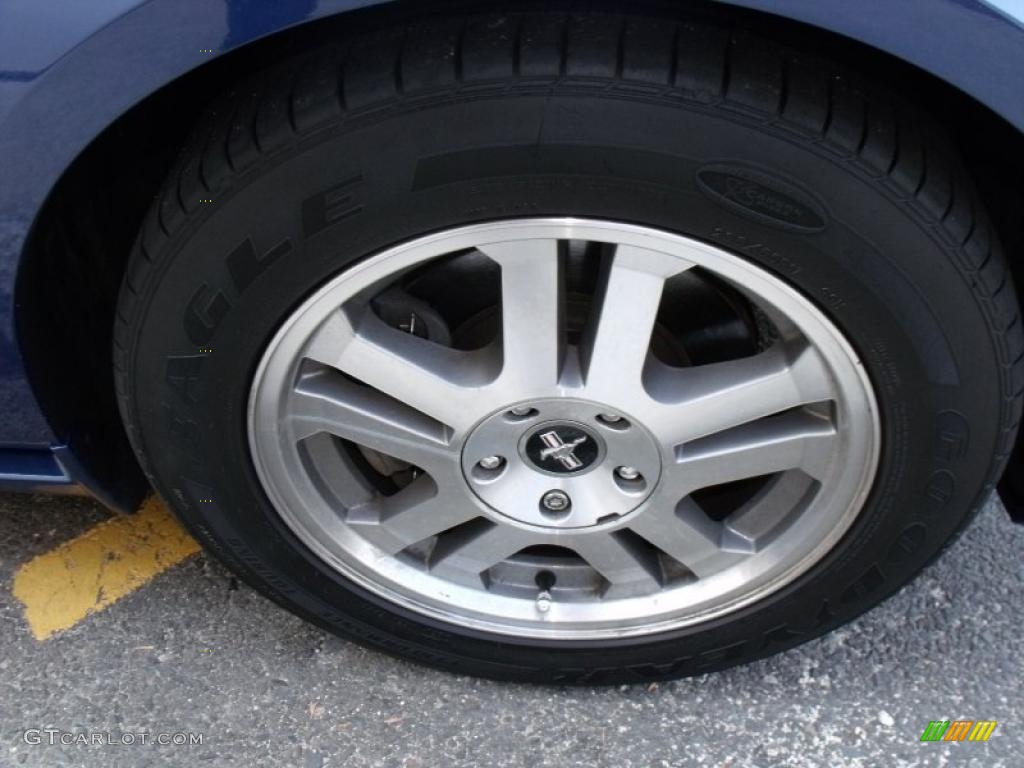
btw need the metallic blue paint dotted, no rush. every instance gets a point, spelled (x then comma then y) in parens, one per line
(32, 468)
(68, 70)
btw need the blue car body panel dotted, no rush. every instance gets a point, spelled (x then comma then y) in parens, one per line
(68, 70)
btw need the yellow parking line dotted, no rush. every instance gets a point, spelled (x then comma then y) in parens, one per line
(107, 562)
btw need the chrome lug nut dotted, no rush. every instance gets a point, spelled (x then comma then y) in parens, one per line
(521, 411)
(555, 501)
(628, 473)
(491, 462)
(609, 418)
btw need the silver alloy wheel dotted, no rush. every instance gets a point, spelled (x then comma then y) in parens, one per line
(550, 486)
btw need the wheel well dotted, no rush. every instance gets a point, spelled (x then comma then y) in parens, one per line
(77, 249)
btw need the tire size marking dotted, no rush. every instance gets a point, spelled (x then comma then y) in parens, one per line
(758, 249)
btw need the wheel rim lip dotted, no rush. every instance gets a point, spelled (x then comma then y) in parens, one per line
(437, 603)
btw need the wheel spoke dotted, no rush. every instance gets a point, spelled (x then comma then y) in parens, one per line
(418, 511)
(686, 534)
(326, 402)
(627, 567)
(793, 440)
(622, 322)
(532, 311)
(691, 403)
(475, 548)
(756, 521)
(436, 380)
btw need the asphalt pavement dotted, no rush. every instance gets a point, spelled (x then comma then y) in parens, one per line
(194, 653)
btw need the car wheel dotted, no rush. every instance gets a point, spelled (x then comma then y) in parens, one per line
(578, 348)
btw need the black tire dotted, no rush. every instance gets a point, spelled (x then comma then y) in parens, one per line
(406, 130)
